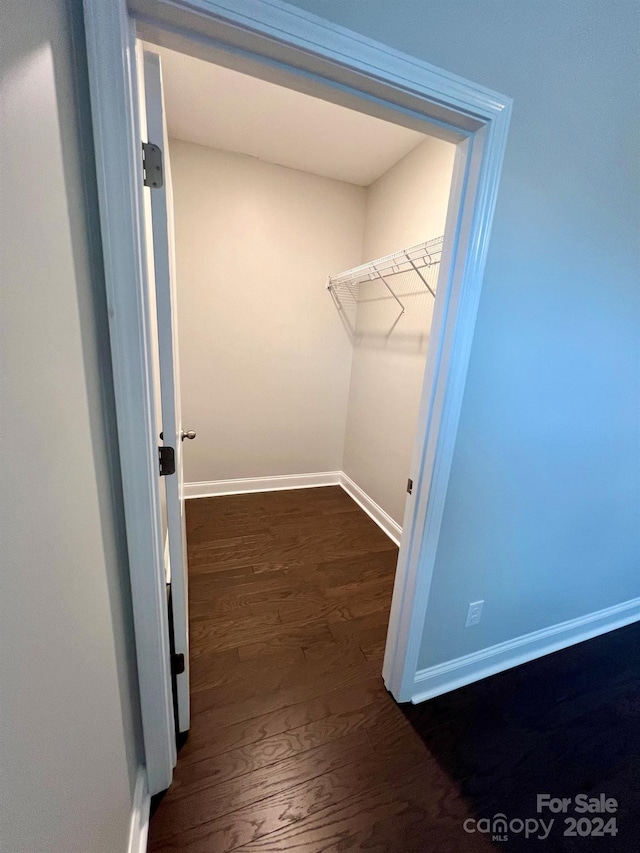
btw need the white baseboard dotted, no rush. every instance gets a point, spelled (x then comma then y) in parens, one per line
(444, 677)
(216, 488)
(139, 827)
(373, 510)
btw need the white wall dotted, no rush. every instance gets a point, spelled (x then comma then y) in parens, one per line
(264, 357)
(266, 367)
(543, 504)
(405, 206)
(70, 722)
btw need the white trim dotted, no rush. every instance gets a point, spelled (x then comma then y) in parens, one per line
(275, 35)
(215, 488)
(279, 34)
(456, 673)
(477, 169)
(115, 113)
(373, 510)
(139, 827)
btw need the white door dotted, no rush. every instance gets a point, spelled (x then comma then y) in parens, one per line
(162, 232)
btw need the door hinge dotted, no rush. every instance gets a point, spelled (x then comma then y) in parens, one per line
(409, 485)
(152, 171)
(177, 664)
(167, 460)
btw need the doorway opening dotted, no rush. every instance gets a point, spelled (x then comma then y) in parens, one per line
(274, 42)
(308, 241)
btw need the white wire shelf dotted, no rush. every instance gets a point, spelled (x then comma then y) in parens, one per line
(418, 258)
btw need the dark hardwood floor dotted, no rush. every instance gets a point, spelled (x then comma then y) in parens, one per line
(296, 746)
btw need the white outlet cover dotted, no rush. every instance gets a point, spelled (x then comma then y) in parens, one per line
(474, 613)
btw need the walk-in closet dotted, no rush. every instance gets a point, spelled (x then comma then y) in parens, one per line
(308, 241)
(308, 246)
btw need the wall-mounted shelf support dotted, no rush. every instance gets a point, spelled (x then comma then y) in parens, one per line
(423, 279)
(389, 288)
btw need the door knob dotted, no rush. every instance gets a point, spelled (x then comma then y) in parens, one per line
(188, 434)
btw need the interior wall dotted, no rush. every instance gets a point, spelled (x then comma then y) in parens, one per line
(70, 720)
(541, 518)
(264, 357)
(405, 206)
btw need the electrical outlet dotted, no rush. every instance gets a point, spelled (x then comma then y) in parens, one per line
(474, 613)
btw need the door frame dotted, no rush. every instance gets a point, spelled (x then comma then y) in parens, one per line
(274, 35)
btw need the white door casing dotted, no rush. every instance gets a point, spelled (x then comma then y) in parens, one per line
(111, 48)
(269, 36)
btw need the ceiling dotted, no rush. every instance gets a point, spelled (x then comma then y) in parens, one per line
(221, 108)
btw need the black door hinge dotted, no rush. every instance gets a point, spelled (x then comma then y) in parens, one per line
(167, 460)
(177, 664)
(152, 171)
(409, 486)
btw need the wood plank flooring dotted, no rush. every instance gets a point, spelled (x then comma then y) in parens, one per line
(296, 746)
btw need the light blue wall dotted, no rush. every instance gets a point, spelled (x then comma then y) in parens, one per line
(542, 518)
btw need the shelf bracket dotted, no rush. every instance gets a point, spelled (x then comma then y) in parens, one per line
(423, 279)
(389, 288)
